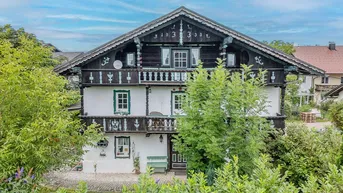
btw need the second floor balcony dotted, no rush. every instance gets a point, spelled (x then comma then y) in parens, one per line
(150, 124)
(159, 76)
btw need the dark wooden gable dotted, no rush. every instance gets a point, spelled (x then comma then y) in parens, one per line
(192, 32)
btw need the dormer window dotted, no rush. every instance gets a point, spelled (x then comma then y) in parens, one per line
(180, 58)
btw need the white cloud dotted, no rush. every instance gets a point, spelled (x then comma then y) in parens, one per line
(5, 4)
(289, 5)
(4, 20)
(56, 34)
(105, 28)
(137, 8)
(89, 18)
(337, 23)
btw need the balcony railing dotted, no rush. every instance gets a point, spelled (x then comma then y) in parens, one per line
(323, 87)
(134, 124)
(148, 124)
(161, 76)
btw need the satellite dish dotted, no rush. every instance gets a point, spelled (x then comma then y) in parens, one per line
(117, 64)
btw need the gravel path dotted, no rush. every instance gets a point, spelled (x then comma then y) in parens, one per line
(101, 182)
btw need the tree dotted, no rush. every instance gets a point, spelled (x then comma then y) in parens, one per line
(36, 130)
(222, 118)
(286, 47)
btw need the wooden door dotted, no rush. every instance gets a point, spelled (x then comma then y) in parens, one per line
(177, 160)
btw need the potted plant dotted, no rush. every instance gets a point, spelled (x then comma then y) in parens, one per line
(136, 165)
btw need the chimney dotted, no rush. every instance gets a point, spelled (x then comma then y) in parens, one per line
(332, 46)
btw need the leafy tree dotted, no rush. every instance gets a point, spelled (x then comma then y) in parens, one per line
(285, 47)
(222, 118)
(36, 130)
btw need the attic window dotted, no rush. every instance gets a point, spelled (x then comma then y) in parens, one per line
(130, 59)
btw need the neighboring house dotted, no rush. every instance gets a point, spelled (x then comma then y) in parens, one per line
(335, 94)
(330, 59)
(133, 86)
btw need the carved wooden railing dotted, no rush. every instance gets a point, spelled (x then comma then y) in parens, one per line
(161, 76)
(133, 123)
(148, 124)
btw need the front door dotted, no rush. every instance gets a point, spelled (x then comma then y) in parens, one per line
(177, 160)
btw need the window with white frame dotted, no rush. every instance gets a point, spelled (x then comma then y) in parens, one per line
(231, 60)
(177, 101)
(121, 101)
(180, 58)
(122, 147)
(130, 59)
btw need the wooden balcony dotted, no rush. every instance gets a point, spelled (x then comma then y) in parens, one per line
(324, 87)
(134, 124)
(148, 124)
(160, 76)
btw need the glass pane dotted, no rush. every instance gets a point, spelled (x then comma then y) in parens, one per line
(120, 101)
(184, 55)
(125, 101)
(124, 106)
(174, 158)
(126, 141)
(120, 106)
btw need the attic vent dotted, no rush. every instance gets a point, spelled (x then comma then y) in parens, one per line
(332, 46)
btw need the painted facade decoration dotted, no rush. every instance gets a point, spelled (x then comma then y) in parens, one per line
(136, 100)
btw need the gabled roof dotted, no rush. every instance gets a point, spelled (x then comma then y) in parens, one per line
(182, 11)
(322, 57)
(335, 91)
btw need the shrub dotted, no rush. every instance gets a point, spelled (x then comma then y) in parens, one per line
(336, 114)
(324, 107)
(303, 151)
(305, 108)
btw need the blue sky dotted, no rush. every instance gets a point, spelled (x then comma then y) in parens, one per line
(83, 25)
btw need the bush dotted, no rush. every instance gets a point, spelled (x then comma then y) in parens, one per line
(303, 151)
(324, 107)
(305, 108)
(336, 114)
(264, 178)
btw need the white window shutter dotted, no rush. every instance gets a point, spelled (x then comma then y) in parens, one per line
(166, 57)
(195, 56)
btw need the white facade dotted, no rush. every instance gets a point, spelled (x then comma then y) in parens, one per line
(98, 101)
(142, 145)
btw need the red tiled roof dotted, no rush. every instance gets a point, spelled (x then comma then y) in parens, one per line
(321, 57)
